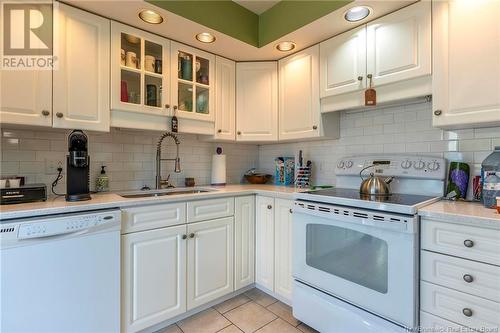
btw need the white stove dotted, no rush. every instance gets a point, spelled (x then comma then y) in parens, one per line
(355, 261)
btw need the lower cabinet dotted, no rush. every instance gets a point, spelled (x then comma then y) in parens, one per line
(244, 241)
(264, 242)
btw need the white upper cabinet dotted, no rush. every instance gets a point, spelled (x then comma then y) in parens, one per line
(257, 101)
(81, 81)
(466, 58)
(299, 108)
(343, 63)
(225, 99)
(399, 45)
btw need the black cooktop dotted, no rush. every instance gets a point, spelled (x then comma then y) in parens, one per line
(396, 198)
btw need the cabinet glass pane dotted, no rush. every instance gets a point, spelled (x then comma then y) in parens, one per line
(185, 66)
(185, 97)
(153, 89)
(202, 71)
(130, 87)
(153, 57)
(130, 51)
(202, 100)
(348, 254)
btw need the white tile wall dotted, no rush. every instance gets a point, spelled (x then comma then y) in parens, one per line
(128, 155)
(397, 129)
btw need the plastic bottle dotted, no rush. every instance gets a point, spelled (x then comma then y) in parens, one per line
(490, 175)
(102, 181)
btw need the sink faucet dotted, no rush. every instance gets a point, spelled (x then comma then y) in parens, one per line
(159, 159)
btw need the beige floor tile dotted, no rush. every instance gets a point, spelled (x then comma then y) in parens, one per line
(231, 329)
(232, 303)
(250, 317)
(170, 329)
(260, 297)
(306, 329)
(208, 321)
(278, 325)
(284, 312)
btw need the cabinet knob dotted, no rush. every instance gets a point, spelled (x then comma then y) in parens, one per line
(175, 107)
(184, 236)
(467, 312)
(291, 211)
(219, 131)
(269, 207)
(369, 76)
(239, 133)
(191, 235)
(315, 127)
(59, 115)
(438, 112)
(468, 243)
(468, 278)
(167, 106)
(360, 78)
(45, 113)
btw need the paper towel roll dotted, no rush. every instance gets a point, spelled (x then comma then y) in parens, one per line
(218, 170)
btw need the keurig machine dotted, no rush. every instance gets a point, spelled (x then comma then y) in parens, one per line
(78, 163)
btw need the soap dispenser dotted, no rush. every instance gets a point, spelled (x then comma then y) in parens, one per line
(102, 181)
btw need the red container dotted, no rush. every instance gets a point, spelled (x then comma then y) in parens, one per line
(124, 91)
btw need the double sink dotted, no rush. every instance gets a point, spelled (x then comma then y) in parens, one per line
(160, 193)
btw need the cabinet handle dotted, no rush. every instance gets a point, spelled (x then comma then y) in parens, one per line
(467, 312)
(315, 127)
(360, 78)
(291, 211)
(468, 278)
(167, 106)
(191, 235)
(45, 113)
(269, 207)
(219, 131)
(239, 133)
(184, 236)
(369, 76)
(468, 243)
(59, 115)
(175, 107)
(438, 112)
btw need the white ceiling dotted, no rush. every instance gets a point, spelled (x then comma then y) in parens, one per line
(257, 6)
(180, 29)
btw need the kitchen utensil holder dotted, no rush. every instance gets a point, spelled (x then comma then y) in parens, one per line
(303, 177)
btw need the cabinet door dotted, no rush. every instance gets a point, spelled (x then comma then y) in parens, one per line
(244, 241)
(210, 261)
(154, 277)
(225, 99)
(283, 248)
(81, 81)
(466, 60)
(343, 63)
(299, 109)
(193, 82)
(256, 101)
(264, 242)
(399, 45)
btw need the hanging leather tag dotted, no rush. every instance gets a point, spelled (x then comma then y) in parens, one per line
(370, 94)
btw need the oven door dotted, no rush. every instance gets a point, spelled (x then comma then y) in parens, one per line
(366, 258)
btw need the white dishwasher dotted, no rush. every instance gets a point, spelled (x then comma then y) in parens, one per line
(61, 273)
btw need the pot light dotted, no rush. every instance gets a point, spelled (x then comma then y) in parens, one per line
(285, 46)
(205, 37)
(150, 16)
(357, 13)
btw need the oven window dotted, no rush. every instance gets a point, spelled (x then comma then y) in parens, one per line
(349, 254)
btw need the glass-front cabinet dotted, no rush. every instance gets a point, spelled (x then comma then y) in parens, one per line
(140, 71)
(192, 82)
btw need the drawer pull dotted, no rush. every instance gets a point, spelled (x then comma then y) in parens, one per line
(184, 236)
(468, 278)
(191, 235)
(467, 312)
(269, 207)
(468, 243)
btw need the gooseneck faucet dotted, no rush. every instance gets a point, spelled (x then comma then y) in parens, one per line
(177, 160)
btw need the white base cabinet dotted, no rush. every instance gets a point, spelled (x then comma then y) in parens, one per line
(244, 241)
(283, 280)
(264, 242)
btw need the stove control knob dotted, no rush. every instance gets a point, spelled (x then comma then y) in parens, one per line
(433, 166)
(340, 165)
(419, 165)
(348, 164)
(406, 164)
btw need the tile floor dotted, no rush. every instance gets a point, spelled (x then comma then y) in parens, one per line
(252, 311)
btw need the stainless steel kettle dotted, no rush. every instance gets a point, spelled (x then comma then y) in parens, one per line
(374, 185)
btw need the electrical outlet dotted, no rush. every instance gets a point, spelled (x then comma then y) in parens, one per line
(51, 166)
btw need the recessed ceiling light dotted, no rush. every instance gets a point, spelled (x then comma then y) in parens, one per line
(205, 37)
(150, 16)
(357, 13)
(285, 46)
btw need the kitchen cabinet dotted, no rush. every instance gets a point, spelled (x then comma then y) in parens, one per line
(81, 79)
(392, 53)
(225, 99)
(466, 60)
(257, 101)
(154, 277)
(283, 248)
(264, 242)
(244, 241)
(210, 261)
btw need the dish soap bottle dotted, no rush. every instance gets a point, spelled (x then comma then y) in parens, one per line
(102, 181)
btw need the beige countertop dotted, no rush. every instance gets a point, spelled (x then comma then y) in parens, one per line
(58, 205)
(468, 213)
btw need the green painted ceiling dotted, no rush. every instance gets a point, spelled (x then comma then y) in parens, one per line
(236, 21)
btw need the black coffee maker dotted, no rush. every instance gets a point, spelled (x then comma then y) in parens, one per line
(77, 167)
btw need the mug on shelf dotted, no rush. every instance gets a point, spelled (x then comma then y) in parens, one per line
(149, 63)
(131, 59)
(122, 57)
(158, 67)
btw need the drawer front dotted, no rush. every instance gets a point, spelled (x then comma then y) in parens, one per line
(461, 274)
(154, 216)
(202, 210)
(431, 323)
(451, 305)
(462, 241)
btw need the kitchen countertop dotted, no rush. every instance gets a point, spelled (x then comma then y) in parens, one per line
(58, 205)
(461, 212)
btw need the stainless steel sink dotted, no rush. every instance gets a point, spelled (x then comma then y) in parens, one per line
(160, 193)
